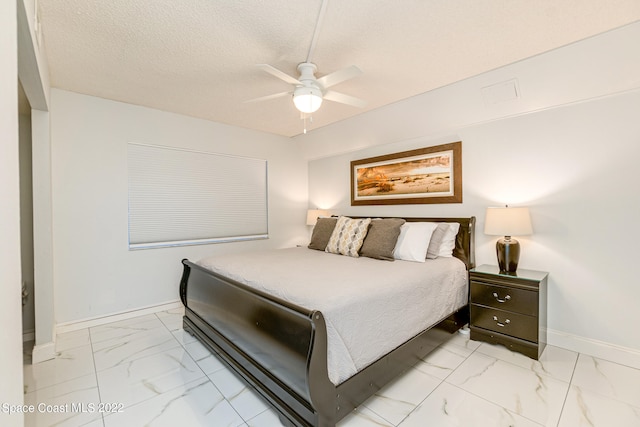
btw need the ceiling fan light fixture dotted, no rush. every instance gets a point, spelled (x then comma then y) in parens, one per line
(307, 99)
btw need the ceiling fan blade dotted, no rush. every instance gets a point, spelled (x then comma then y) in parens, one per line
(268, 97)
(344, 99)
(279, 74)
(339, 76)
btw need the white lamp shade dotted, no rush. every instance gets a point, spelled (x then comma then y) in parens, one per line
(313, 214)
(307, 99)
(508, 222)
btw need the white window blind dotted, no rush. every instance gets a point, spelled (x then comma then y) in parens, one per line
(182, 197)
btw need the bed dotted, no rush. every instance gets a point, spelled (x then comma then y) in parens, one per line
(315, 360)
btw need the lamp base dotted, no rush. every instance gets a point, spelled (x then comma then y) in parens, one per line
(508, 251)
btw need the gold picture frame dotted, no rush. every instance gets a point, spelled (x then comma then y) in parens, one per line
(425, 175)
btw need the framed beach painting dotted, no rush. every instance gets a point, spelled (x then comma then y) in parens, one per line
(425, 175)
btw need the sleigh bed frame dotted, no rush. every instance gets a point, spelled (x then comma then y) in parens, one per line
(250, 330)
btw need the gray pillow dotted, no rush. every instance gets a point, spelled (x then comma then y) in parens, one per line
(381, 238)
(322, 233)
(443, 240)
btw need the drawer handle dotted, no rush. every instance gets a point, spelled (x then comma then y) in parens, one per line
(507, 298)
(502, 325)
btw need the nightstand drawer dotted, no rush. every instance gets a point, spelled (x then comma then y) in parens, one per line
(505, 322)
(503, 298)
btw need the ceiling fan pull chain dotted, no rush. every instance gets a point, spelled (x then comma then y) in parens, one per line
(304, 117)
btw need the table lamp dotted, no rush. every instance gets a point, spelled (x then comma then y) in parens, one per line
(508, 222)
(313, 214)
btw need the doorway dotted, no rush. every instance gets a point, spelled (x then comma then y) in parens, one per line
(26, 221)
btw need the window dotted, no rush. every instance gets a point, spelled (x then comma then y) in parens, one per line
(183, 197)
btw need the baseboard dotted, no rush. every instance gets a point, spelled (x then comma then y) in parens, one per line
(43, 352)
(114, 317)
(600, 349)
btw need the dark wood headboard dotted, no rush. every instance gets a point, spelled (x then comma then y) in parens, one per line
(465, 249)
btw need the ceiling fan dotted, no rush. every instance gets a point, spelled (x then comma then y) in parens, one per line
(308, 91)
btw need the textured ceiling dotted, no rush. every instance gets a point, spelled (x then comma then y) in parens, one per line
(198, 57)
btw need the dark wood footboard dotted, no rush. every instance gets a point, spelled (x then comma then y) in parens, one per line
(281, 348)
(277, 346)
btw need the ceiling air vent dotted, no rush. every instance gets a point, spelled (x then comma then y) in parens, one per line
(501, 92)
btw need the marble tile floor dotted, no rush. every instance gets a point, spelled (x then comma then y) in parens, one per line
(147, 371)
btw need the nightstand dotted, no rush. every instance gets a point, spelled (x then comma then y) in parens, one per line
(509, 308)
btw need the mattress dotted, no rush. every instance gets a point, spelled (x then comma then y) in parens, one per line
(370, 306)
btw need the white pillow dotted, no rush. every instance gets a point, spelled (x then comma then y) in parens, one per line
(443, 240)
(413, 241)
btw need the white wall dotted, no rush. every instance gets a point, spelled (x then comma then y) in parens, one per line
(599, 66)
(575, 165)
(576, 168)
(10, 302)
(95, 274)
